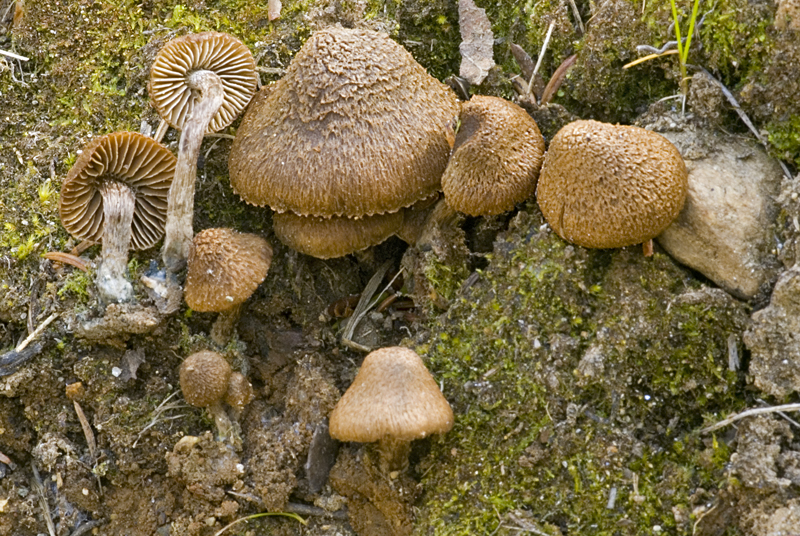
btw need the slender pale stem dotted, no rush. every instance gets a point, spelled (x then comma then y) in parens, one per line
(180, 205)
(119, 202)
(225, 324)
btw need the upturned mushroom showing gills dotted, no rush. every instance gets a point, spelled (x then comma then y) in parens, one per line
(496, 158)
(393, 400)
(199, 83)
(225, 268)
(355, 128)
(610, 186)
(116, 192)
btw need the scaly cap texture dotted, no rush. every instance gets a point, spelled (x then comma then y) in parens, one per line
(225, 267)
(610, 186)
(496, 158)
(356, 127)
(204, 378)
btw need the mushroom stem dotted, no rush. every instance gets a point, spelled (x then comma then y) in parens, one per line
(223, 327)
(393, 454)
(221, 421)
(119, 202)
(180, 204)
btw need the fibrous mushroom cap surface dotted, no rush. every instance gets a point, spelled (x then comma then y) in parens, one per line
(225, 267)
(392, 395)
(204, 378)
(496, 158)
(356, 127)
(609, 186)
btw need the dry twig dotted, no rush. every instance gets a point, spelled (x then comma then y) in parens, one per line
(750, 413)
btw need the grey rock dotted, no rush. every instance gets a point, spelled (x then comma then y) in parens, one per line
(774, 339)
(725, 230)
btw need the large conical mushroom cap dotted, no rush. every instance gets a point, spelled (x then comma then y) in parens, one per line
(496, 158)
(356, 127)
(220, 53)
(393, 396)
(326, 238)
(610, 186)
(137, 161)
(225, 267)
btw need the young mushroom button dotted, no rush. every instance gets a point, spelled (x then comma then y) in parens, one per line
(225, 268)
(204, 378)
(610, 186)
(393, 400)
(199, 83)
(116, 192)
(496, 158)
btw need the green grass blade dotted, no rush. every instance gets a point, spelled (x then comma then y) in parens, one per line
(685, 53)
(677, 22)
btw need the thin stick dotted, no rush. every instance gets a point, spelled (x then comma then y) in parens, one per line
(577, 15)
(36, 483)
(362, 308)
(649, 57)
(5, 459)
(87, 430)
(38, 331)
(746, 120)
(67, 258)
(12, 55)
(750, 413)
(782, 414)
(541, 55)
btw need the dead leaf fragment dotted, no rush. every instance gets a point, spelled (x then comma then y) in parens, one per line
(477, 41)
(274, 10)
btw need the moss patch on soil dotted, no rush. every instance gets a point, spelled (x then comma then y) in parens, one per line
(577, 376)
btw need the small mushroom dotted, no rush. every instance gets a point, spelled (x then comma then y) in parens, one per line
(204, 378)
(199, 83)
(225, 268)
(356, 127)
(116, 192)
(326, 238)
(610, 186)
(496, 158)
(393, 400)
(239, 393)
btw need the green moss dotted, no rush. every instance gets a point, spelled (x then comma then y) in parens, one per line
(785, 139)
(573, 373)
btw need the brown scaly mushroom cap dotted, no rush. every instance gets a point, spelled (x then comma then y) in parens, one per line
(356, 127)
(326, 238)
(198, 83)
(393, 399)
(204, 378)
(117, 192)
(223, 54)
(225, 268)
(610, 186)
(496, 158)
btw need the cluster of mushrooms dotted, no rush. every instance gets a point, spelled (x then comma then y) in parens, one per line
(353, 145)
